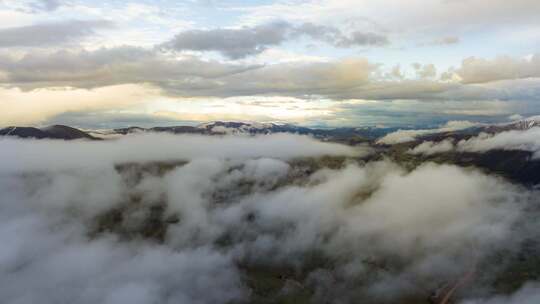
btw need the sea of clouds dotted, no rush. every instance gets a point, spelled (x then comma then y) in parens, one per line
(382, 232)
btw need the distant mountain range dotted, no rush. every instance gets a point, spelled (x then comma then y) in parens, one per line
(515, 165)
(344, 135)
(467, 133)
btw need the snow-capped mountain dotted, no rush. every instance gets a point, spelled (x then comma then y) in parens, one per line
(523, 124)
(51, 132)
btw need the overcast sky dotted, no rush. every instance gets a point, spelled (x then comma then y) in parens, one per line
(100, 64)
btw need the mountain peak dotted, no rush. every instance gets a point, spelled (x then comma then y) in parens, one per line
(50, 132)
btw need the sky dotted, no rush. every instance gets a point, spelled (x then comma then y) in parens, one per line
(318, 63)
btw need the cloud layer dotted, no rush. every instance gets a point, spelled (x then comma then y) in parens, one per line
(30, 155)
(246, 41)
(523, 140)
(526, 140)
(191, 230)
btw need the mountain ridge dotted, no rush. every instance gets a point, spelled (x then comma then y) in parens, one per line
(50, 132)
(341, 134)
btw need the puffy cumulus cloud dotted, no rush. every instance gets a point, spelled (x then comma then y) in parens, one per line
(396, 72)
(241, 42)
(191, 231)
(352, 216)
(392, 210)
(50, 34)
(375, 201)
(188, 76)
(149, 147)
(47, 252)
(479, 70)
(526, 140)
(425, 71)
(402, 136)
(90, 192)
(430, 147)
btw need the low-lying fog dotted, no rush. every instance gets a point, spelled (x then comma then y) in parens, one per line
(78, 222)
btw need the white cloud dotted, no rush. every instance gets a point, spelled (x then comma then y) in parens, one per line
(402, 136)
(269, 211)
(526, 140)
(38, 155)
(430, 148)
(515, 117)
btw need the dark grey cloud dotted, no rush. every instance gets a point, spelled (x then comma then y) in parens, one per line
(246, 41)
(233, 43)
(358, 38)
(50, 34)
(337, 38)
